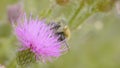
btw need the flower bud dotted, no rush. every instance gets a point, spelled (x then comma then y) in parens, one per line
(25, 57)
(105, 5)
(62, 2)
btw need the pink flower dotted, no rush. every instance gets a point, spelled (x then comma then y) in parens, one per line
(37, 35)
(118, 7)
(15, 12)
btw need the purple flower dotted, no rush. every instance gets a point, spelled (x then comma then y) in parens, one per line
(118, 7)
(15, 12)
(37, 36)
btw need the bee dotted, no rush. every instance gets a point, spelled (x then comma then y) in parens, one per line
(62, 31)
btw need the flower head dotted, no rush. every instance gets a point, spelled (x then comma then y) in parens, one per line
(37, 36)
(15, 12)
(118, 7)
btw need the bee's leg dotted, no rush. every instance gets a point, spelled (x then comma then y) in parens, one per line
(66, 44)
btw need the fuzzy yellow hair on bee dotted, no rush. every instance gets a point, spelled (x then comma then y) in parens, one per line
(67, 32)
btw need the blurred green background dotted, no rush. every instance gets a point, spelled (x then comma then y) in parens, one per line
(95, 43)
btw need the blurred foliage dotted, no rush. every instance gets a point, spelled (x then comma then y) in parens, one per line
(95, 40)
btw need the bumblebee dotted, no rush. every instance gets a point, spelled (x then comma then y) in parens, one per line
(62, 31)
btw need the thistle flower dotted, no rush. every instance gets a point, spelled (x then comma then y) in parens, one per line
(15, 12)
(2, 66)
(37, 39)
(117, 4)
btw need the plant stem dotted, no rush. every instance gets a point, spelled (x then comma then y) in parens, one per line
(12, 64)
(76, 13)
(82, 20)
